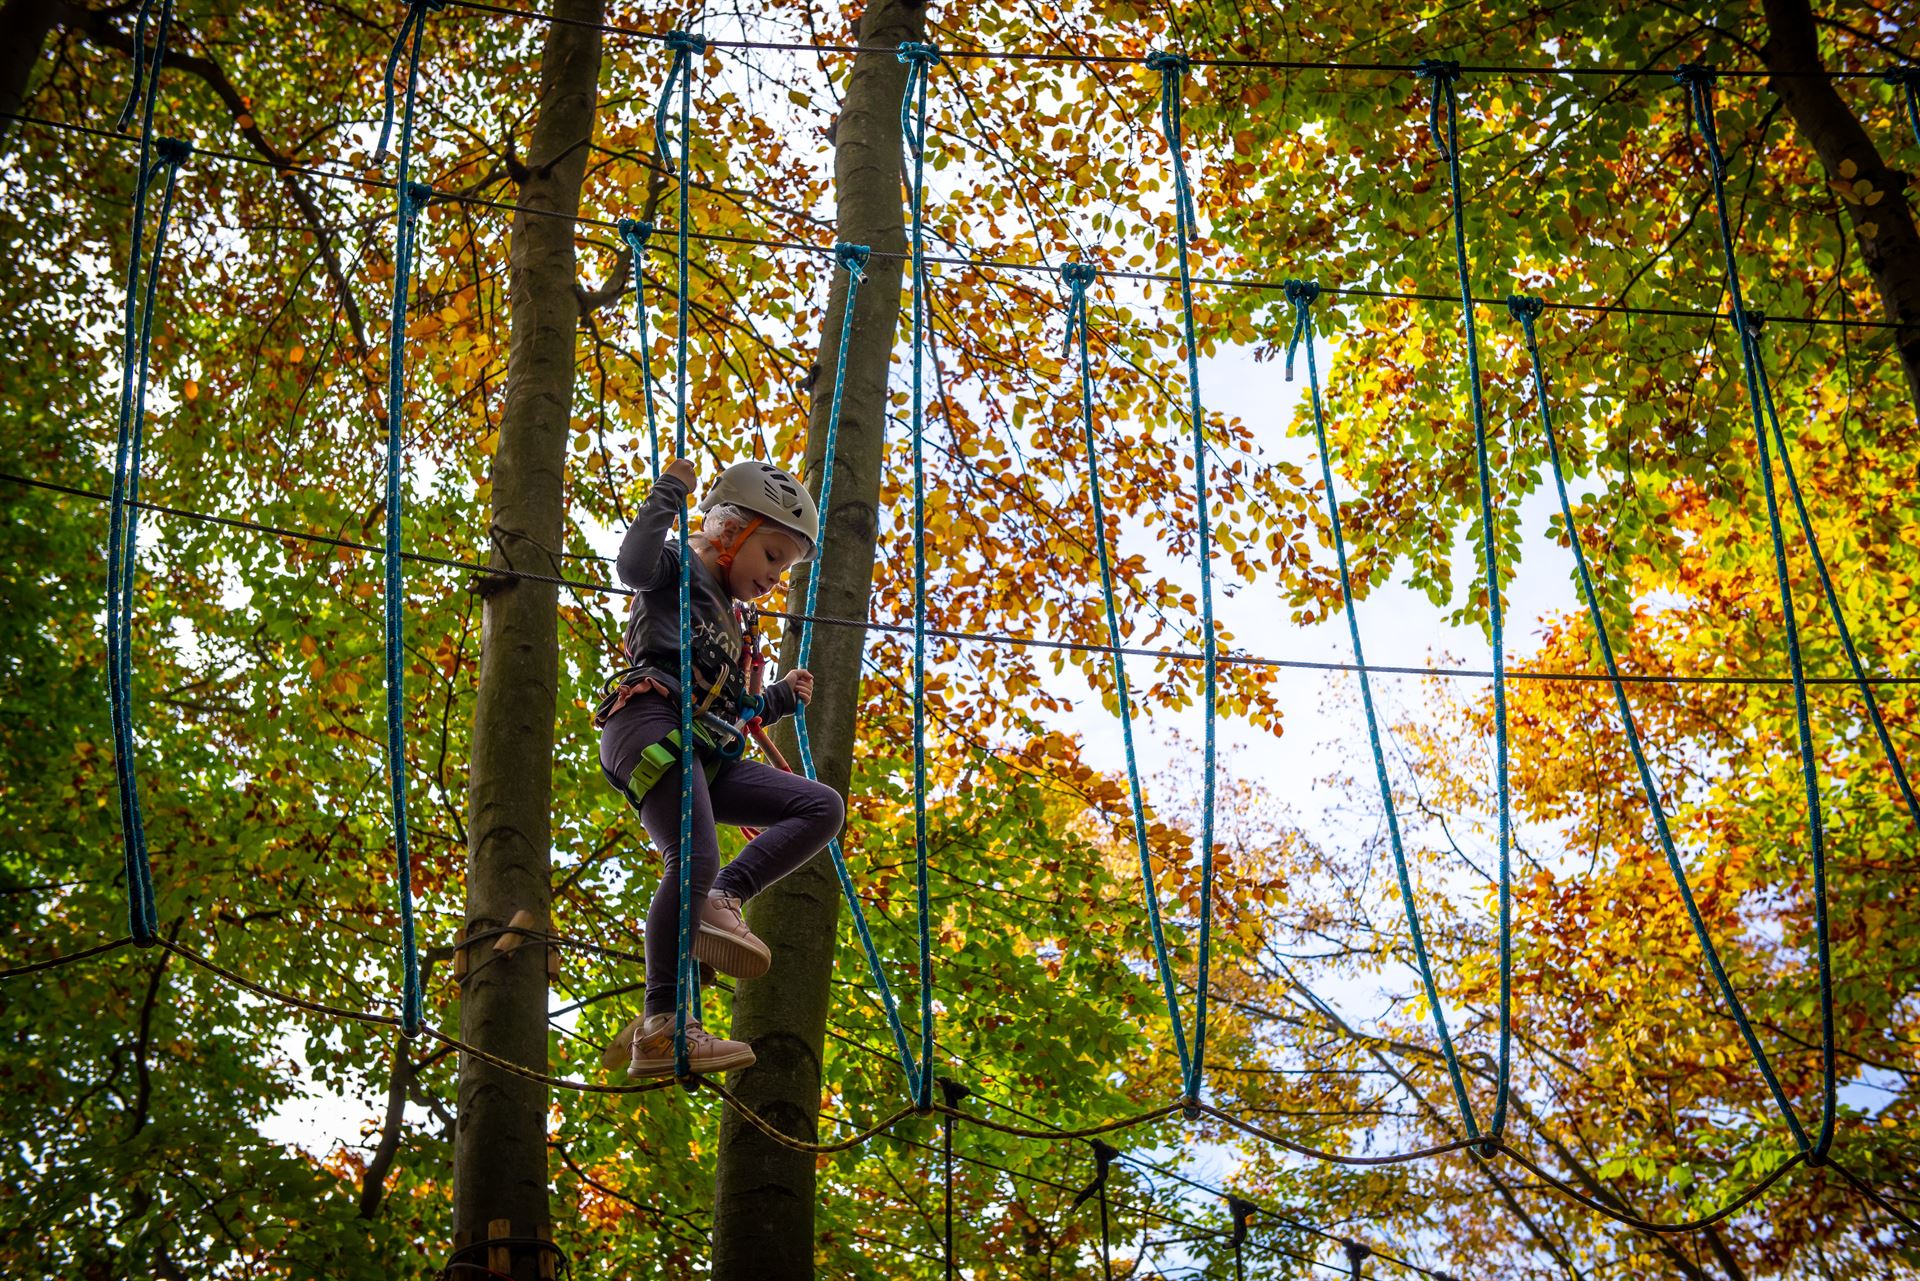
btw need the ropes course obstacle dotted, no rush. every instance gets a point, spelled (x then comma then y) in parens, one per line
(162, 158)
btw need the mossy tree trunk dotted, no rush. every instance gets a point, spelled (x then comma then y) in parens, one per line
(500, 1148)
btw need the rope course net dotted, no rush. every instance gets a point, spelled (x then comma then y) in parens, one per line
(162, 159)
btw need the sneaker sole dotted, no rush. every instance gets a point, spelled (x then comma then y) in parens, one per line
(644, 1068)
(621, 1049)
(730, 954)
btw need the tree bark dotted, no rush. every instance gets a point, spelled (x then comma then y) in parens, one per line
(27, 23)
(500, 1141)
(764, 1193)
(1884, 232)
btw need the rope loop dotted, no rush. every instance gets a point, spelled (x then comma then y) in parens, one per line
(683, 46)
(1697, 78)
(920, 58)
(1444, 74)
(1079, 277)
(406, 38)
(141, 56)
(1173, 68)
(635, 233)
(1301, 293)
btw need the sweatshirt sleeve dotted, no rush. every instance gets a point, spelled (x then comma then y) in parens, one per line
(639, 562)
(777, 702)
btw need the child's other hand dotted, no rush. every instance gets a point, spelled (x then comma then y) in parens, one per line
(682, 470)
(802, 681)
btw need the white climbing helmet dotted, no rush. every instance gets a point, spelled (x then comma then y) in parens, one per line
(765, 490)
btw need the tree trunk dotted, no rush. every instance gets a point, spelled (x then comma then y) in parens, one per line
(764, 1193)
(500, 1144)
(26, 23)
(1884, 231)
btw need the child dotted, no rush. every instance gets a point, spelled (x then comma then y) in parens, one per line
(758, 522)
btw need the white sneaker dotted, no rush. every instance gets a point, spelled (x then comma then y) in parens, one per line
(724, 941)
(653, 1049)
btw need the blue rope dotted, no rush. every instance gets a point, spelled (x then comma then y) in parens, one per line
(1527, 311)
(636, 234)
(1698, 82)
(410, 198)
(1172, 68)
(1833, 601)
(1302, 293)
(140, 58)
(123, 518)
(1079, 277)
(159, 158)
(1444, 75)
(1908, 79)
(687, 986)
(407, 39)
(920, 60)
(853, 260)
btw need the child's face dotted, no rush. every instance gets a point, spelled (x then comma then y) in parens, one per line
(762, 561)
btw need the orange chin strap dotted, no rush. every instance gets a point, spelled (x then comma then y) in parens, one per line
(726, 557)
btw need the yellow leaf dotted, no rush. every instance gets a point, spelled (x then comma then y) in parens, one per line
(1848, 169)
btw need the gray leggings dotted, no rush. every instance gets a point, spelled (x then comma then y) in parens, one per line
(796, 818)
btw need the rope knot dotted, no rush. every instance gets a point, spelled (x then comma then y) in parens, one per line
(1358, 1252)
(1438, 70)
(678, 41)
(1079, 275)
(952, 1091)
(917, 53)
(1104, 1155)
(1524, 309)
(636, 231)
(852, 258)
(1749, 321)
(173, 151)
(1165, 61)
(414, 197)
(1241, 1209)
(1692, 75)
(1301, 293)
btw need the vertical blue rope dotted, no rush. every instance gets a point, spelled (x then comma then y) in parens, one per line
(920, 59)
(1444, 75)
(140, 58)
(1698, 82)
(636, 234)
(123, 518)
(410, 198)
(1527, 311)
(1907, 79)
(852, 259)
(1079, 276)
(1833, 603)
(1172, 68)
(680, 72)
(1302, 293)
